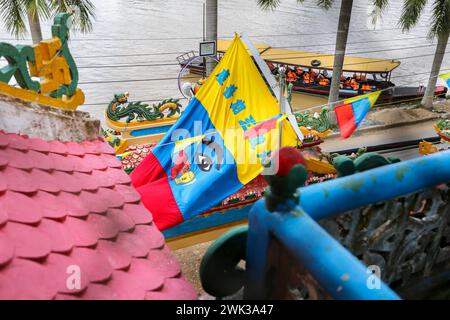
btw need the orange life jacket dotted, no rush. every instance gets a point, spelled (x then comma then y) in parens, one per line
(354, 84)
(366, 87)
(307, 78)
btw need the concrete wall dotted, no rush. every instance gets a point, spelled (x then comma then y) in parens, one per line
(46, 123)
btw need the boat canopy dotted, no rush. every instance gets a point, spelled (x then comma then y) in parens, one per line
(222, 46)
(319, 60)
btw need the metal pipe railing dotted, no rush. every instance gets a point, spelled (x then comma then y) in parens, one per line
(335, 268)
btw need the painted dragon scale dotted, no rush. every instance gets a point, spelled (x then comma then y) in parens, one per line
(118, 109)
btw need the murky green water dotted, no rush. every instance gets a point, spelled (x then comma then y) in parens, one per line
(149, 31)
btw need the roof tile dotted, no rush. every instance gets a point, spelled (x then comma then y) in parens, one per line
(79, 164)
(111, 161)
(68, 182)
(3, 215)
(4, 140)
(118, 257)
(154, 240)
(121, 220)
(26, 280)
(94, 202)
(100, 292)
(67, 207)
(18, 142)
(128, 287)
(19, 180)
(21, 208)
(62, 267)
(3, 161)
(92, 264)
(75, 148)
(72, 205)
(129, 194)
(91, 147)
(53, 207)
(104, 178)
(27, 241)
(103, 147)
(17, 159)
(39, 145)
(87, 182)
(62, 163)
(3, 185)
(40, 160)
(84, 234)
(133, 244)
(149, 278)
(6, 250)
(47, 181)
(112, 198)
(61, 238)
(58, 147)
(105, 226)
(176, 288)
(138, 213)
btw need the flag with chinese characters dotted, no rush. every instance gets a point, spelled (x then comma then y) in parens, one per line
(350, 114)
(218, 144)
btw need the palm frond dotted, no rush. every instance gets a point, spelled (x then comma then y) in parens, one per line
(82, 17)
(38, 7)
(325, 4)
(378, 7)
(268, 4)
(440, 18)
(13, 14)
(411, 12)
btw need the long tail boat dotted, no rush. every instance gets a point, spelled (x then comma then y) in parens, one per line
(370, 74)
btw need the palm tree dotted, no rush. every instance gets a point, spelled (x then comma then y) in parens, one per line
(211, 30)
(439, 28)
(341, 39)
(14, 13)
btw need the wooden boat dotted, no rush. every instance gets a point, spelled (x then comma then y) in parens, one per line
(372, 74)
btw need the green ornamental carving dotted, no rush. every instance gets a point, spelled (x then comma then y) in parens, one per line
(443, 124)
(317, 121)
(118, 109)
(60, 29)
(19, 55)
(361, 161)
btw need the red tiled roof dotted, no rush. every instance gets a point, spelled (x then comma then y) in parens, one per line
(66, 204)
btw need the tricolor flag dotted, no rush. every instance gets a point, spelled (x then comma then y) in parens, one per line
(446, 78)
(218, 144)
(350, 114)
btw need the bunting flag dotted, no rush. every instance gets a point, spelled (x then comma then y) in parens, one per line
(217, 145)
(446, 78)
(350, 114)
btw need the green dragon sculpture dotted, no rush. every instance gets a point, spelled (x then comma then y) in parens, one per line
(140, 111)
(318, 121)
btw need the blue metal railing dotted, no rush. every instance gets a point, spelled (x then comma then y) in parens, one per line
(341, 274)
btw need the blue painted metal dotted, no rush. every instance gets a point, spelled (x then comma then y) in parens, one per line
(324, 200)
(212, 220)
(341, 274)
(148, 131)
(335, 269)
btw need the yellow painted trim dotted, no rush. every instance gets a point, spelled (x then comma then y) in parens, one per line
(201, 236)
(32, 96)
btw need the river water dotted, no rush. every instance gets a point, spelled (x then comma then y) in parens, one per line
(142, 32)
